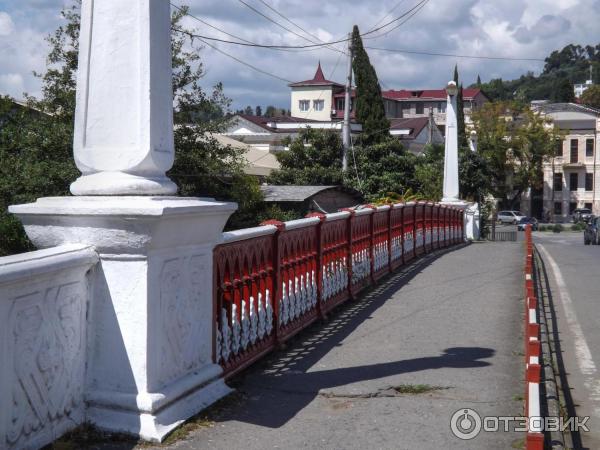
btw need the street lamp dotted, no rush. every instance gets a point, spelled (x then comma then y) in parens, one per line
(452, 89)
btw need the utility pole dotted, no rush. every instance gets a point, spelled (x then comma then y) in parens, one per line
(346, 137)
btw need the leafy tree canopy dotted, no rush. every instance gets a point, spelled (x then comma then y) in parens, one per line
(591, 96)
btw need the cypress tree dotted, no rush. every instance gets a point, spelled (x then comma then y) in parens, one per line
(369, 107)
(460, 113)
(478, 81)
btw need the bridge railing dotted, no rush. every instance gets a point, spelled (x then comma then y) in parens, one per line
(272, 281)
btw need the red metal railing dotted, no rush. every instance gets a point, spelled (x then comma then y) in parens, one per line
(272, 281)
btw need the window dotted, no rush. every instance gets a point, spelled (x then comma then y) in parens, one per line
(339, 104)
(304, 105)
(559, 148)
(589, 148)
(572, 207)
(573, 182)
(588, 206)
(558, 182)
(574, 150)
(589, 181)
(318, 105)
(420, 109)
(441, 107)
(558, 208)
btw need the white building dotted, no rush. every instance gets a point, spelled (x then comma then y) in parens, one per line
(571, 179)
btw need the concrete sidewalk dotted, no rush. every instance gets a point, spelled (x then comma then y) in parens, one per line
(452, 320)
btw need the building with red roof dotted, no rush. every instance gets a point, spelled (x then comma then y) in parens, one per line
(322, 99)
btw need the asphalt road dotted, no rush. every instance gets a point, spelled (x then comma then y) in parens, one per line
(573, 269)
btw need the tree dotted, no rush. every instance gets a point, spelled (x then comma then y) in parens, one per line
(258, 111)
(248, 111)
(460, 113)
(478, 84)
(563, 91)
(271, 111)
(514, 141)
(314, 158)
(369, 110)
(591, 96)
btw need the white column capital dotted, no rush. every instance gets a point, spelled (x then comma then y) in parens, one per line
(123, 139)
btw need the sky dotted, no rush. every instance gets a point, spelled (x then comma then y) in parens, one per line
(507, 28)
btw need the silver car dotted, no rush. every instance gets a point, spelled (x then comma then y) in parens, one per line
(513, 217)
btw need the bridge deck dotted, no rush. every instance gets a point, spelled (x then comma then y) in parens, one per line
(451, 320)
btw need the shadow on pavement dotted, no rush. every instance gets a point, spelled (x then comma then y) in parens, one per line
(280, 386)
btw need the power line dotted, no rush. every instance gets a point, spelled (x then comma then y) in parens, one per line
(264, 72)
(186, 12)
(452, 55)
(297, 26)
(411, 13)
(252, 8)
(388, 13)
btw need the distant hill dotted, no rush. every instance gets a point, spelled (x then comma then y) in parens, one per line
(563, 68)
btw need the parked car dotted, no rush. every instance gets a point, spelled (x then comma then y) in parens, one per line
(582, 215)
(527, 221)
(591, 234)
(510, 217)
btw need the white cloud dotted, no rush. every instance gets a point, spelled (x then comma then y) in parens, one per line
(510, 28)
(6, 24)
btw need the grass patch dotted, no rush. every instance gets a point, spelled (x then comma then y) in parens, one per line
(416, 388)
(85, 436)
(519, 443)
(88, 436)
(518, 397)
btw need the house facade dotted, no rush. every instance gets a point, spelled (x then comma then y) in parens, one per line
(321, 99)
(571, 179)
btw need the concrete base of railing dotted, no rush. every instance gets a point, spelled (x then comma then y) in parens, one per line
(470, 218)
(150, 361)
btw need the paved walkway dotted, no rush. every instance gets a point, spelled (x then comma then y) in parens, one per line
(452, 320)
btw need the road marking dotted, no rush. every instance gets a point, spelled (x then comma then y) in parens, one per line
(583, 355)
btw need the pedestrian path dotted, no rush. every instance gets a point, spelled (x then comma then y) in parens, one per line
(390, 369)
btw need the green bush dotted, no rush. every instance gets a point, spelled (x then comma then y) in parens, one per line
(557, 228)
(542, 228)
(579, 226)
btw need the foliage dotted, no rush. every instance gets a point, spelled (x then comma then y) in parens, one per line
(382, 172)
(557, 228)
(383, 167)
(591, 96)
(515, 142)
(563, 91)
(571, 63)
(460, 112)
(314, 158)
(369, 110)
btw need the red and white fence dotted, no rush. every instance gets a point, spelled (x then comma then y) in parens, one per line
(272, 281)
(535, 436)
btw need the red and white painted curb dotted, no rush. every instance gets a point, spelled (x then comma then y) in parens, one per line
(535, 435)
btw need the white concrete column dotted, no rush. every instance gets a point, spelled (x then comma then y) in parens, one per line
(451, 149)
(123, 141)
(149, 360)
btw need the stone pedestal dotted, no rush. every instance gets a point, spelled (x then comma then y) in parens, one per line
(150, 336)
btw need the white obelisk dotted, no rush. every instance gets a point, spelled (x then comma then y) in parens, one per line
(124, 116)
(450, 192)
